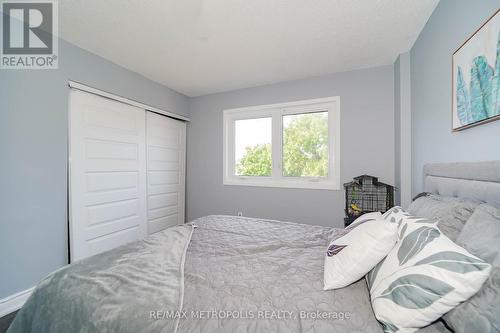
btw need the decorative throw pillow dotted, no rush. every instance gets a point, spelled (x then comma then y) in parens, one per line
(424, 276)
(480, 236)
(364, 217)
(398, 215)
(451, 212)
(355, 250)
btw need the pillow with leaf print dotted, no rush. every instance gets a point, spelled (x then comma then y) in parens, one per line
(398, 215)
(355, 250)
(364, 217)
(424, 276)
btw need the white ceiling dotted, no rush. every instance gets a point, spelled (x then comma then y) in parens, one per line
(199, 47)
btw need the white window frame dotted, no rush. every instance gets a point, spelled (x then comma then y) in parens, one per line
(276, 112)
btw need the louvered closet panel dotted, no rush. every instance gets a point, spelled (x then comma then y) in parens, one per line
(126, 173)
(107, 174)
(166, 155)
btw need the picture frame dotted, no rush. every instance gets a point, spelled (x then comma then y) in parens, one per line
(476, 77)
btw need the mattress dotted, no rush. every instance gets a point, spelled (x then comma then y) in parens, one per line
(215, 274)
(262, 268)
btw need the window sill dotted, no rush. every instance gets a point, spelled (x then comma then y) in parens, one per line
(304, 184)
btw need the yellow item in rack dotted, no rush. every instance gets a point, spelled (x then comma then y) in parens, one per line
(355, 208)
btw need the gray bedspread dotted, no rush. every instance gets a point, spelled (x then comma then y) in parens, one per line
(117, 291)
(251, 266)
(236, 270)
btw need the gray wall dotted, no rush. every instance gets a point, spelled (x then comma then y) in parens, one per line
(367, 146)
(450, 25)
(397, 131)
(33, 150)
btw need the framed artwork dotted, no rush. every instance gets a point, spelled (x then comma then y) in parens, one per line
(476, 77)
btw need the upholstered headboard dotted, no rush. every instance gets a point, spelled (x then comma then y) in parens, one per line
(474, 180)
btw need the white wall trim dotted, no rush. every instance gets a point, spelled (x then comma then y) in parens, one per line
(335, 99)
(14, 302)
(405, 100)
(83, 87)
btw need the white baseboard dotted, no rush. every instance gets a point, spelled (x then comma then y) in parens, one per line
(14, 302)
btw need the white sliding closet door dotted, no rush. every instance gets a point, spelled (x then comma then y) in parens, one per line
(166, 151)
(107, 174)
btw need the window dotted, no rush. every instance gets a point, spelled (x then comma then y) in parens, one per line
(283, 145)
(252, 147)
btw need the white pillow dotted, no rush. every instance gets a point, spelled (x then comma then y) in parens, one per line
(367, 216)
(399, 215)
(424, 276)
(358, 249)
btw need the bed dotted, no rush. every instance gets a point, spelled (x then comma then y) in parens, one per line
(224, 274)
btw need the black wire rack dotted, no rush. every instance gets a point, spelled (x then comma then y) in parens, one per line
(366, 194)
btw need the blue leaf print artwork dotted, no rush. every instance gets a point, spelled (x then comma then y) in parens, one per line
(463, 102)
(479, 99)
(481, 76)
(495, 82)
